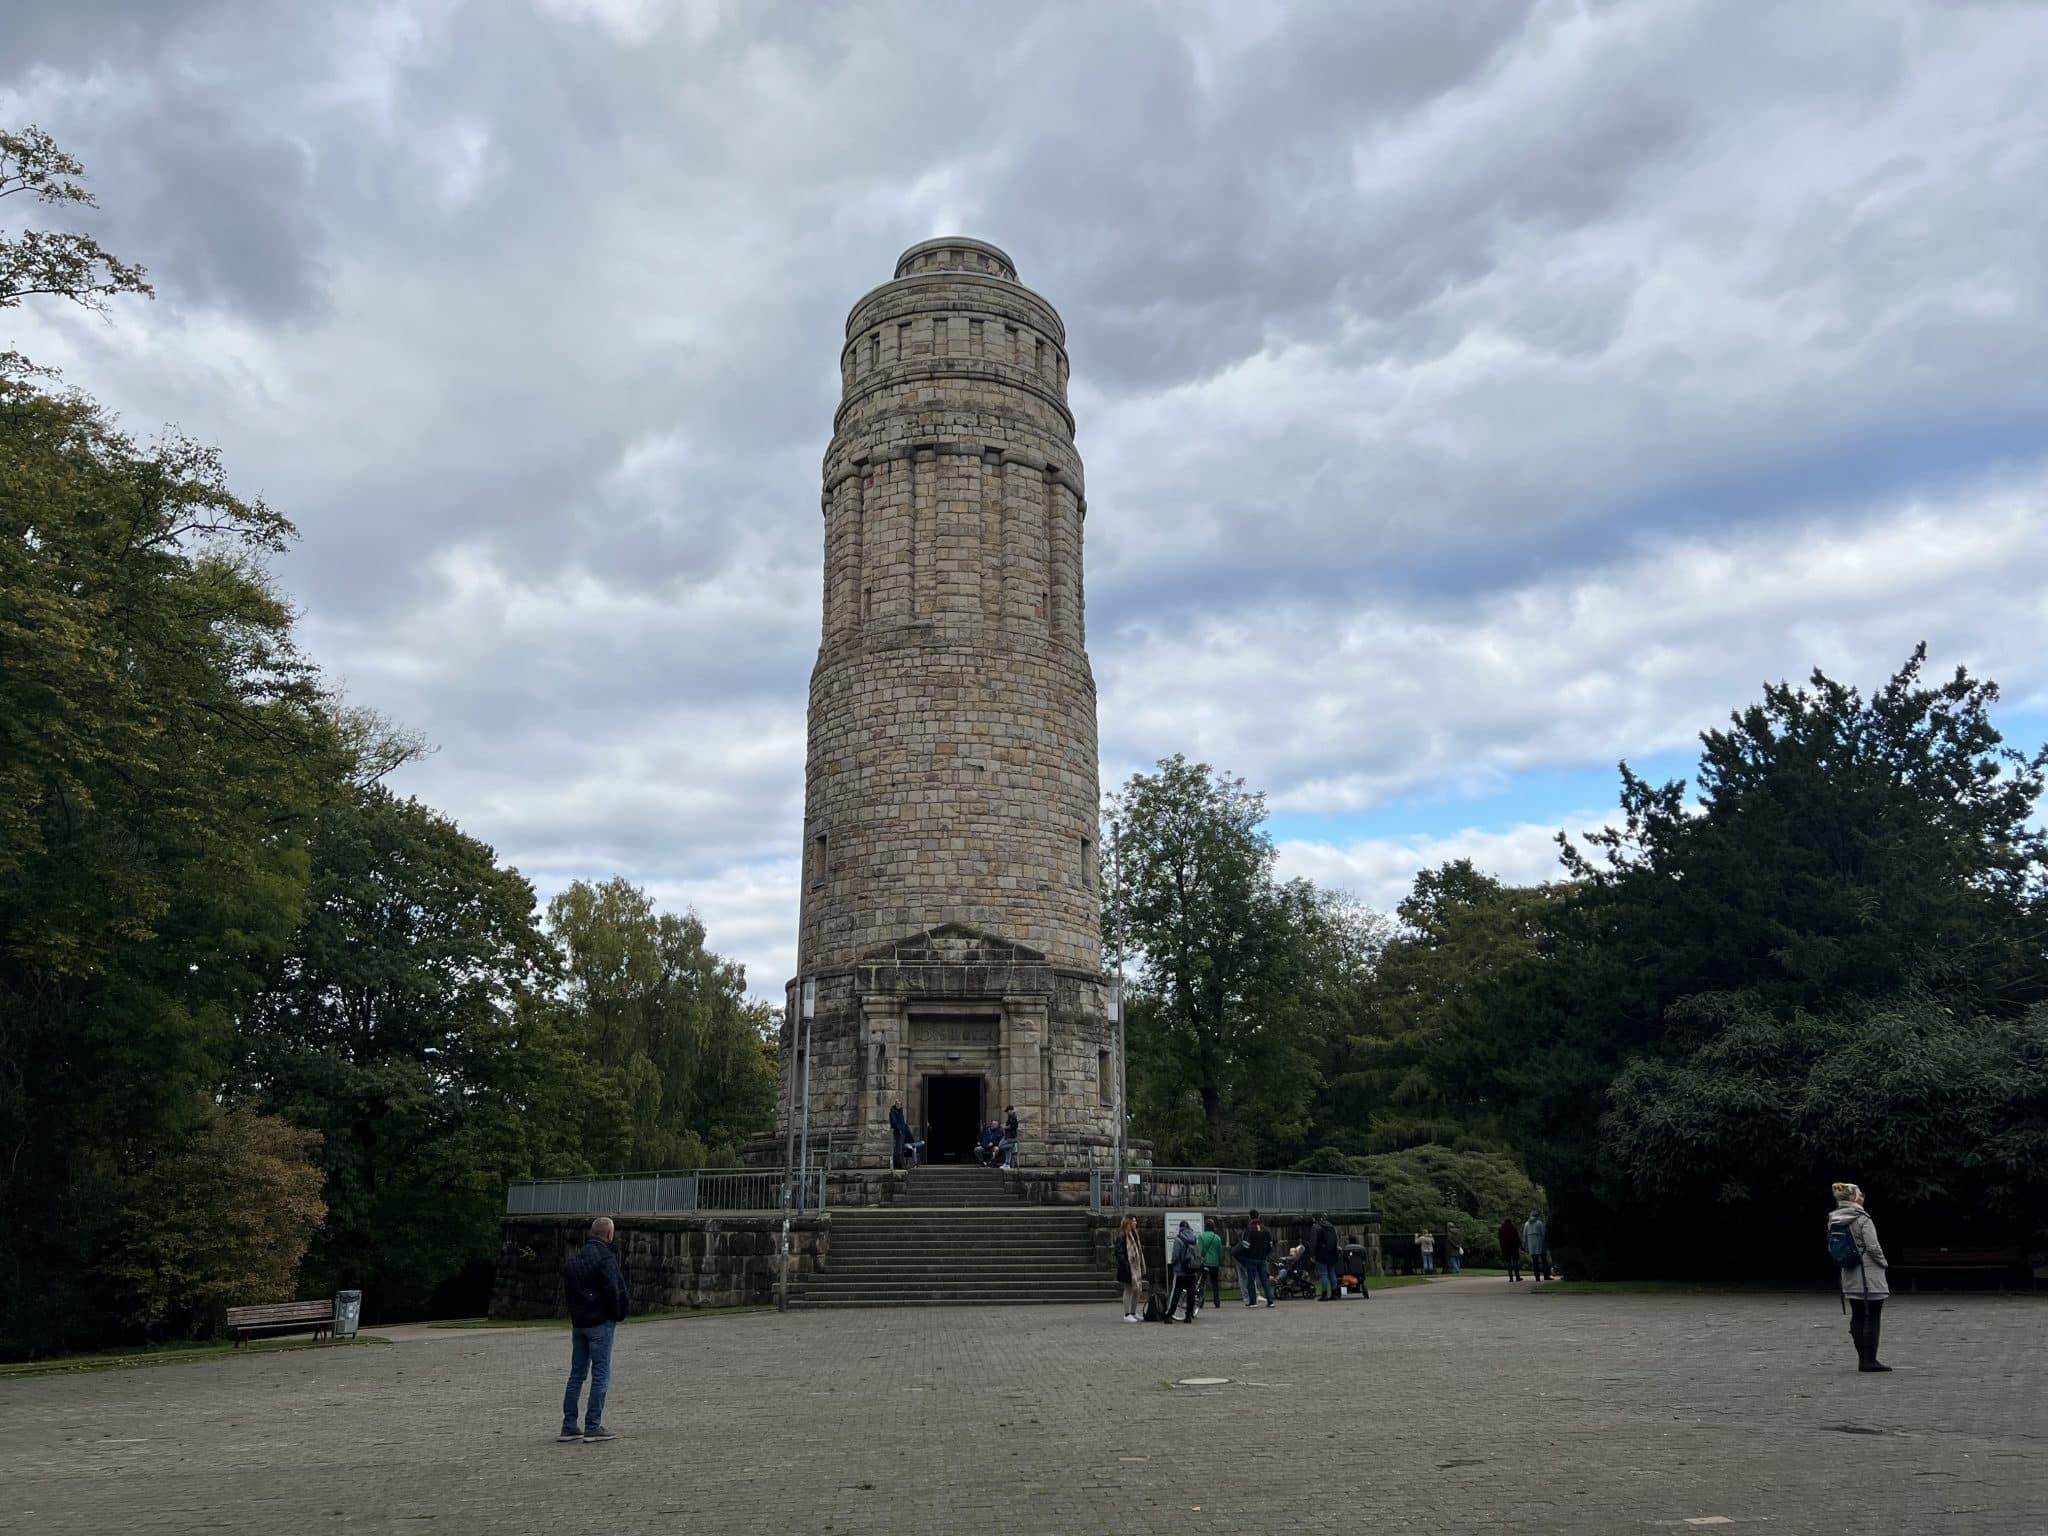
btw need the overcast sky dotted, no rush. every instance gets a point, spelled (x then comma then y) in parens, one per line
(1472, 395)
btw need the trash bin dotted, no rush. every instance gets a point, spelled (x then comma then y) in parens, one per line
(348, 1311)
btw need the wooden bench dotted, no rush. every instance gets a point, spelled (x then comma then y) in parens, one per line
(282, 1317)
(1990, 1258)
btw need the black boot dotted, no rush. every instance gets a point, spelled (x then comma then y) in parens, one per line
(1870, 1336)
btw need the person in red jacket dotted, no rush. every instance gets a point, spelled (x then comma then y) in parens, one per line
(1510, 1249)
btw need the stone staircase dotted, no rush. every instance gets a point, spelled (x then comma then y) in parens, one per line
(958, 1237)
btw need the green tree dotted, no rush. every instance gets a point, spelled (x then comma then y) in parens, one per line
(220, 1218)
(403, 1027)
(668, 1021)
(1239, 978)
(164, 750)
(63, 264)
(1851, 866)
(1452, 1025)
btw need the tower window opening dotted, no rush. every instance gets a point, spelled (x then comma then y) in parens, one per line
(875, 350)
(1010, 341)
(902, 341)
(939, 336)
(1105, 1080)
(1038, 356)
(867, 605)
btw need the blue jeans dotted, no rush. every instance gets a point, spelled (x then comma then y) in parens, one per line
(1256, 1279)
(1007, 1153)
(1428, 1262)
(590, 1355)
(1329, 1270)
(1457, 1265)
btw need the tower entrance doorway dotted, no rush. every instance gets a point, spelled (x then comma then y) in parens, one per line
(953, 1116)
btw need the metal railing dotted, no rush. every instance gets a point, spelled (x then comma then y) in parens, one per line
(1232, 1189)
(684, 1193)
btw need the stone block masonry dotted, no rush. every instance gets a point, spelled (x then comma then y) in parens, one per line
(951, 923)
(671, 1263)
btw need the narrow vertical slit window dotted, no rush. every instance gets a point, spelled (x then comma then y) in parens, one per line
(1105, 1080)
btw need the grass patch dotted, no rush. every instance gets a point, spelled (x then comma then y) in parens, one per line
(562, 1322)
(132, 1358)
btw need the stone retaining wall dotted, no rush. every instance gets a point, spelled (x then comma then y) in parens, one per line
(671, 1263)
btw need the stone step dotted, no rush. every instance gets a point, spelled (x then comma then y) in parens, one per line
(813, 1294)
(904, 1221)
(829, 1303)
(1019, 1271)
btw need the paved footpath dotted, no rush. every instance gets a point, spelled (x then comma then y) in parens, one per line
(1468, 1405)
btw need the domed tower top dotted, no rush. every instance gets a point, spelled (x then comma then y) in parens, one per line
(956, 253)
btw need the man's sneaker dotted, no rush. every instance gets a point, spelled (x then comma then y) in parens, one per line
(592, 1436)
(569, 1432)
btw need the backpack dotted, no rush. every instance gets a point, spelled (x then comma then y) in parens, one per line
(1155, 1312)
(1842, 1246)
(1190, 1260)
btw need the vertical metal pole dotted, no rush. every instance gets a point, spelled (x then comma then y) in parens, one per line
(788, 1161)
(1116, 867)
(804, 1157)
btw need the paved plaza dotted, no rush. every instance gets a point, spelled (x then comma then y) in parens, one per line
(1468, 1405)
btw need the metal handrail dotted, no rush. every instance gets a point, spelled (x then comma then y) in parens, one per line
(678, 1192)
(1236, 1189)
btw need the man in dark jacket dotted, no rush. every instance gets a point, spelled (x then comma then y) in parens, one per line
(899, 1136)
(1009, 1144)
(1510, 1249)
(597, 1301)
(1184, 1258)
(1257, 1249)
(1323, 1246)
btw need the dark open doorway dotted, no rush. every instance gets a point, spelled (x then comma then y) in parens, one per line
(952, 1117)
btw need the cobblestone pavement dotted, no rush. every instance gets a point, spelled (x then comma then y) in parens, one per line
(1468, 1405)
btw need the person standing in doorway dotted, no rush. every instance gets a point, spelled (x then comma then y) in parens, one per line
(1866, 1280)
(1510, 1249)
(1258, 1252)
(1130, 1269)
(899, 1136)
(1425, 1244)
(596, 1291)
(1536, 1238)
(1212, 1264)
(1010, 1137)
(1323, 1247)
(1185, 1260)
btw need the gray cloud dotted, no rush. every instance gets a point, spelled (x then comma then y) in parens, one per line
(1466, 390)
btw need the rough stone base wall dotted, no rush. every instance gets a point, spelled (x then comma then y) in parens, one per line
(671, 1263)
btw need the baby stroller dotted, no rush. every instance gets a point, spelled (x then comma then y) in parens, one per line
(1295, 1278)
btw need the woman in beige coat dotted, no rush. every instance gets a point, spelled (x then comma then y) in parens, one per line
(1130, 1269)
(1864, 1283)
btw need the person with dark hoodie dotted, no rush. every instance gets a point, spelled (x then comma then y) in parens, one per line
(1323, 1247)
(596, 1291)
(1257, 1247)
(1865, 1280)
(1185, 1260)
(899, 1136)
(1510, 1249)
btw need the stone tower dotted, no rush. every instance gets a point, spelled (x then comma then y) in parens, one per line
(951, 921)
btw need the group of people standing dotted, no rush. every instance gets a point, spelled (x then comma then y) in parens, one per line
(1195, 1259)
